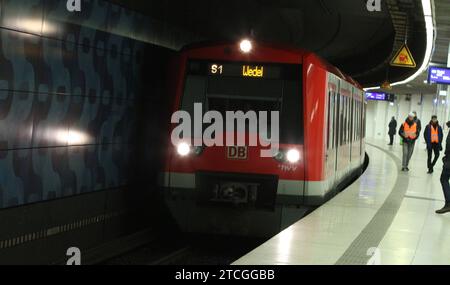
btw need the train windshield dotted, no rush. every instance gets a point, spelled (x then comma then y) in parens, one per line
(239, 94)
(247, 87)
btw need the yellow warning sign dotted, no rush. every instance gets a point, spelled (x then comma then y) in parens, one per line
(403, 58)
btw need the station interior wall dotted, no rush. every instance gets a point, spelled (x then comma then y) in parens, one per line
(379, 113)
(82, 117)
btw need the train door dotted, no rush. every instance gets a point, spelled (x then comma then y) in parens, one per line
(355, 127)
(352, 127)
(339, 130)
(363, 128)
(331, 130)
(345, 151)
(348, 120)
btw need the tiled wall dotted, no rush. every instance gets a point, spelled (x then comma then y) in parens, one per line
(68, 89)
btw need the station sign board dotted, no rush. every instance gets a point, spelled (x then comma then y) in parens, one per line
(439, 75)
(379, 96)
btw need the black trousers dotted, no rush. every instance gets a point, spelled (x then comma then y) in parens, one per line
(436, 149)
(391, 139)
(445, 176)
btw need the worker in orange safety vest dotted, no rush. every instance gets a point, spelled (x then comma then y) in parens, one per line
(433, 136)
(409, 132)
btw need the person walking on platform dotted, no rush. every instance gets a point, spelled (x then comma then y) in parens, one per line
(392, 130)
(418, 122)
(433, 137)
(445, 176)
(409, 132)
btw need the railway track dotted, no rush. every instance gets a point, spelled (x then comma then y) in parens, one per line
(195, 250)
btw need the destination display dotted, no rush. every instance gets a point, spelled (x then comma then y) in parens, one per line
(245, 70)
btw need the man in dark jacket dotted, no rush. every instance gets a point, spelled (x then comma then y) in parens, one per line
(433, 136)
(417, 120)
(392, 130)
(409, 132)
(445, 176)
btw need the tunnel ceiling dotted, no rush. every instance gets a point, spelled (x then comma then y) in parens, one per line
(440, 52)
(344, 32)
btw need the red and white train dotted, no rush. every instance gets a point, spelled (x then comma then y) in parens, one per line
(233, 190)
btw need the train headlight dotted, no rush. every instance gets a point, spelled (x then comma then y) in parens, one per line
(183, 149)
(293, 156)
(246, 46)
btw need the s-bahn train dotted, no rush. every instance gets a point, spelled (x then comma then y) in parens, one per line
(233, 190)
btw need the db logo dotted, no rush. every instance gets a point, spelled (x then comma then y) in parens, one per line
(237, 152)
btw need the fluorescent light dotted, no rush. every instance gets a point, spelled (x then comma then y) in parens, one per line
(426, 4)
(372, 88)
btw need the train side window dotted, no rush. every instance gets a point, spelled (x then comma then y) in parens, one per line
(361, 120)
(350, 118)
(345, 119)
(337, 119)
(358, 120)
(352, 127)
(364, 122)
(344, 122)
(328, 119)
(333, 120)
(355, 120)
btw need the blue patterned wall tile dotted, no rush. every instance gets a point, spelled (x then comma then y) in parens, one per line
(16, 126)
(68, 99)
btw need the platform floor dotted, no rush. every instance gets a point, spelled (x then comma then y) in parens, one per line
(386, 217)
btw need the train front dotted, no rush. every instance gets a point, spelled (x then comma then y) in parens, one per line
(235, 162)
